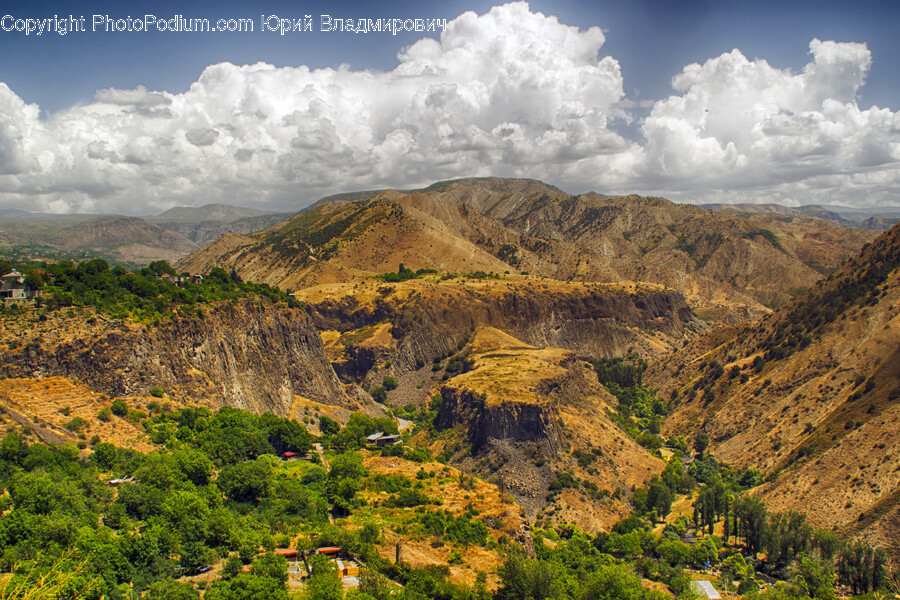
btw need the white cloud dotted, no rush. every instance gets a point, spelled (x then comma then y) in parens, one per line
(744, 130)
(139, 96)
(510, 92)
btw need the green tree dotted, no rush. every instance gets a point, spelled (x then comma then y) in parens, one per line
(194, 464)
(119, 408)
(323, 583)
(526, 578)
(105, 455)
(162, 267)
(701, 443)
(248, 481)
(33, 279)
(814, 579)
(659, 498)
(272, 566)
(750, 513)
(328, 426)
(248, 586)
(169, 589)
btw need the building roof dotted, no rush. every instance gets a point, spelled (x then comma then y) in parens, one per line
(374, 436)
(705, 589)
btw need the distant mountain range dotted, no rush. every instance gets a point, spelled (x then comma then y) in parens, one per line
(131, 240)
(879, 219)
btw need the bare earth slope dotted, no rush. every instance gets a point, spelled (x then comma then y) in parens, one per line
(811, 395)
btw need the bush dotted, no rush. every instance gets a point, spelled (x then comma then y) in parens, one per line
(390, 383)
(157, 392)
(76, 424)
(407, 498)
(104, 415)
(379, 394)
(119, 408)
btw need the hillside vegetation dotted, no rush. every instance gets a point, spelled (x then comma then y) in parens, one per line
(808, 395)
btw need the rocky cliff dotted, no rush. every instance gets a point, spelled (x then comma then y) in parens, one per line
(434, 318)
(524, 415)
(242, 354)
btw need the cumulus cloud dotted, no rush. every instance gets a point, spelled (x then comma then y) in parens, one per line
(139, 96)
(201, 137)
(745, 130)
(511, 93)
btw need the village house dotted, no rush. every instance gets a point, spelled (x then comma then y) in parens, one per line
(380, 439)
(13, 287)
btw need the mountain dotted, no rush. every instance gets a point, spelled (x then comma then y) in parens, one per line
(245, 355)
(519, 402)
(810, 395)
(129, 240)
(879, 219)
(728, 266)
(224, 213)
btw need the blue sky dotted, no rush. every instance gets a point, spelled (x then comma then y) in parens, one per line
(620, 127)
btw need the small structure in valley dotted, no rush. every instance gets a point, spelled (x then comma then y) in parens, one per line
(289, 554)
(380, 439)
(705, 589)
(13, 287)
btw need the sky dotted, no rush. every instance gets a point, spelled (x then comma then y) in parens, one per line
(697, 101)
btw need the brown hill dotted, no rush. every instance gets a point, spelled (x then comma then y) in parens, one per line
(127, 239)
(810, 395)
(734, 265)
(504, 356)
(372, 329)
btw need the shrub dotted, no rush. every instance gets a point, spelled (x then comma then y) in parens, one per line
(104, 415)
(119, 408)
(157, 391)
(76, 424)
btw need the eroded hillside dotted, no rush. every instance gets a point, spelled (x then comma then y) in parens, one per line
(810, 395)
(524, 416)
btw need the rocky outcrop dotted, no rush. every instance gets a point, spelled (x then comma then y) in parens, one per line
(510, 421)
(243, 354)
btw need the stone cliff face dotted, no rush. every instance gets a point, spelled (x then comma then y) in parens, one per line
(430, 322)
(520, 414)
(243, 355)
(510, 421)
